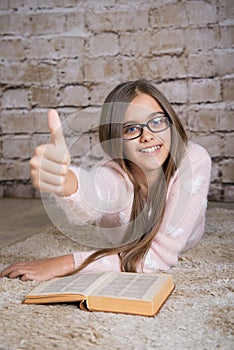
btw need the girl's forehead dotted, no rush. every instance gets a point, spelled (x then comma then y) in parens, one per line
(140, 108)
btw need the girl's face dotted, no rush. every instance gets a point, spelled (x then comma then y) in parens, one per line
(150, 150)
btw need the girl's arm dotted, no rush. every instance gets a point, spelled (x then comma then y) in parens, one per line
(184, 219)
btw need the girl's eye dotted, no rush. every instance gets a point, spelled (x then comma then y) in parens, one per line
(157, 121)
(130, 129)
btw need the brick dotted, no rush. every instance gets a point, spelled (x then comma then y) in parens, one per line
(56, 47)
(203, 65)
(228, 89)
(1, 187)
(228, 192)
(17, 122)
(201, 12)
(212, 117)
(12, 49)
(201, 39)
(40, 121)
(100, 69)
(3, 6)
(16, 147)
(167, 41)
(99, 92)
(14, 170)
(202, 119)
(172, 14)
(225, 119)
(216, 192)
(15, 98)
(155, 68)
(215, 172)
(225, 10)
(226, 36)
(229, 145)
(119, 20)
(28, 73)
(37, 4)
(138, 43)
(4, 24)
(45, 97)
(38, 139)
(228, 171)
(181, 112)
(175, 91)
(171, 67)
(225, 62)
(104, 44)
(136, 69)
(80, 146)
(46, 23)
(19, 190)
(204, 90)
(74, 96)
(34, 24)
(83, 121)
(70, 71)
(211, 142)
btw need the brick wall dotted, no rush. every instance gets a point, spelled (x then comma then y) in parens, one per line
(69, 54)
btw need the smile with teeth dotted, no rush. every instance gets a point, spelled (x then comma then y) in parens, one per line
(150, 149)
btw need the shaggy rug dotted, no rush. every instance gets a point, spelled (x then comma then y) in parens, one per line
(198, 314)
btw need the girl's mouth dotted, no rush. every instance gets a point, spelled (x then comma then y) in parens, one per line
(150, 149)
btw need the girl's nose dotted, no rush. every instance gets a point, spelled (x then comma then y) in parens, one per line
(146, 136)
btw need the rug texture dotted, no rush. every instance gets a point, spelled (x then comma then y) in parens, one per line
(198, 314)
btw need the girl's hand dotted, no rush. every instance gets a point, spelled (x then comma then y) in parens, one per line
(50, 163)
(40, 270)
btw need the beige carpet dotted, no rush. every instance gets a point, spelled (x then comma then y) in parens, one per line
(198, 315)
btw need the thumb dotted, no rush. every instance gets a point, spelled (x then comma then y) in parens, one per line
(55, 127)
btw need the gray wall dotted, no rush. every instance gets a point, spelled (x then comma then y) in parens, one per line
(69, 54)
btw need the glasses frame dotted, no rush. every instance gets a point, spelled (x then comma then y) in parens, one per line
(146, 125)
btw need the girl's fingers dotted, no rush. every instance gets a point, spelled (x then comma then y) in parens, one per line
(51, 179)
(15, 270)
(51, 152)
(40, 270)
(53, 167)
(45, 187)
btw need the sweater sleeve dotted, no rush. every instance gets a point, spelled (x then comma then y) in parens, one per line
(102, 191)
(184, 219)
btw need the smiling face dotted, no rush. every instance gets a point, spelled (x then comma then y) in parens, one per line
(149, 151)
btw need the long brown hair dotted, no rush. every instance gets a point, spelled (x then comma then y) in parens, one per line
(133, 253)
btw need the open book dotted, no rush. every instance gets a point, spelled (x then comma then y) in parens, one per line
(122, 292)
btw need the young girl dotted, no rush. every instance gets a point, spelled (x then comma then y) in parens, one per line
(154, 184)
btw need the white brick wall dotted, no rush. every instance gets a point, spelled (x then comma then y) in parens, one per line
(69, 54)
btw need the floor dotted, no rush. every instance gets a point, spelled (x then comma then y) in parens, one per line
(198, 315)
(21, 218)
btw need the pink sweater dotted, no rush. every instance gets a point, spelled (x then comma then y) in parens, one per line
(183, 222)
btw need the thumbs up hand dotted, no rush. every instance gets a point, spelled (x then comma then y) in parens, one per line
(50, 163)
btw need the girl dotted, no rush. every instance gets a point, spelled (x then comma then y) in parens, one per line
(162, 178)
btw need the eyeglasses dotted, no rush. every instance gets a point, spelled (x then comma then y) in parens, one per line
(157, 124)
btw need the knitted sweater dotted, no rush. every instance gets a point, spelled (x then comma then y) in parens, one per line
(184, 218)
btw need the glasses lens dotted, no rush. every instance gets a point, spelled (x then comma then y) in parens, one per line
(158, 123)
(131, 131)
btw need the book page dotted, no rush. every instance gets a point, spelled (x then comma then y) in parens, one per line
(130, 285)
(82, 283)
